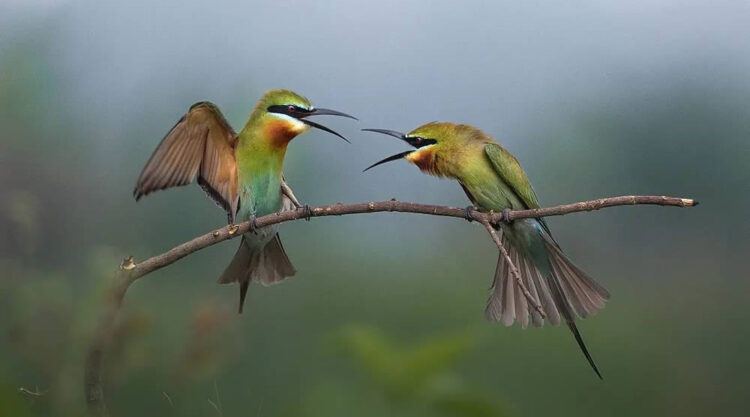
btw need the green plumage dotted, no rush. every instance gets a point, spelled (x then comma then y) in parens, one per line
(494, 180)
(242, 173)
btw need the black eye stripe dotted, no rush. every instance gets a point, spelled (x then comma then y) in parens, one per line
(289, 109)
(418, 141)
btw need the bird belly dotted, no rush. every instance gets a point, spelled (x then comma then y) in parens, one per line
(261, 198)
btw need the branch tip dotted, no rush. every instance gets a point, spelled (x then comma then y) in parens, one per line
(127, 264)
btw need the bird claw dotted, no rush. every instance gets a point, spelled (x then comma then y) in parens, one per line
(254, 225)
(308, 212)
(468, 213)
(506, 216)
(232, 229)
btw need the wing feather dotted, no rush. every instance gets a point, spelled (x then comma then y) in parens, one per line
(200, 146)
(507, 167)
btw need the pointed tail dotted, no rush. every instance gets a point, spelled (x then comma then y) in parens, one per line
(267, 266)
(560, 287)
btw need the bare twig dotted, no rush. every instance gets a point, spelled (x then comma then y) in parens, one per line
(130, 271)
(35, 393)
(168, 398)
(216, 407)
(513, 270)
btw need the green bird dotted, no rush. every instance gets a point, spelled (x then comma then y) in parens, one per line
(493, 180)
(242, 173)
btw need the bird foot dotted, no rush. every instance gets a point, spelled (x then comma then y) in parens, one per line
(506, 216)
(308, 212)
(254, 225)
(232, 229)
(468, 213)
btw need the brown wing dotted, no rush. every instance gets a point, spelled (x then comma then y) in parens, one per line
(200, 145)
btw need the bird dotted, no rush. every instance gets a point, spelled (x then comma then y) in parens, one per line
(242, 173)
(493, 180)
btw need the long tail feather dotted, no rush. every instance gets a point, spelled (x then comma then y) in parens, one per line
(574, 329)
(567, 313)
(243, 292)
(562, 289)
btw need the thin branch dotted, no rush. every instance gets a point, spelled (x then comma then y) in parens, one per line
(130, 271)
(513, 270)
(35, 393)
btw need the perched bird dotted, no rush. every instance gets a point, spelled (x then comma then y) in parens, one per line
(241, 172)
(493, 180)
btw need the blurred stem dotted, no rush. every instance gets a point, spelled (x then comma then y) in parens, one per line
(130, 271)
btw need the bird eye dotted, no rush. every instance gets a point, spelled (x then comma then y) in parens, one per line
(418, 139)
(291, 108)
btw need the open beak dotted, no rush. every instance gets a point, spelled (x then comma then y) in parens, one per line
(322, 112)
(395, 157)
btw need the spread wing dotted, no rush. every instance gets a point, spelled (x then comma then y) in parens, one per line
(200, 145)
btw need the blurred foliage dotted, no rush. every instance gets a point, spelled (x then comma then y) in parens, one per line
(413, 380)
(402, 372)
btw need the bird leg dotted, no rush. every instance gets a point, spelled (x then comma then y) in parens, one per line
(287, 191)
(289, 194)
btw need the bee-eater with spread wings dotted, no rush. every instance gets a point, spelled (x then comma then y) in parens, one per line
(241, 172)
(493, 180)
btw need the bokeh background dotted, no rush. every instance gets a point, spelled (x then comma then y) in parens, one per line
(385, 317)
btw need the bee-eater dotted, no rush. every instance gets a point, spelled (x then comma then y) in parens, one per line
(241, 172)
(493, 180)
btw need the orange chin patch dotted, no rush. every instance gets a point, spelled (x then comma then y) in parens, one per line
(423, 158)
(281, 131)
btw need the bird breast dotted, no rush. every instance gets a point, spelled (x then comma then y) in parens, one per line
(425, 159)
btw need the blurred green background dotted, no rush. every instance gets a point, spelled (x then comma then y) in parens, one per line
(385, 317)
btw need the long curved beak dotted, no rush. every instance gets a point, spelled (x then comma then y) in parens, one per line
(328, 112)
(323, 112)
(391, 158)
(393, 133)
(395, 157)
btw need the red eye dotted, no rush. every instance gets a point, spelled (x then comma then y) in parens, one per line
(418, 139)
(291, 109)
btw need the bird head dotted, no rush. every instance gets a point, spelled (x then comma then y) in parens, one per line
(436, 145)
(282, 114)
